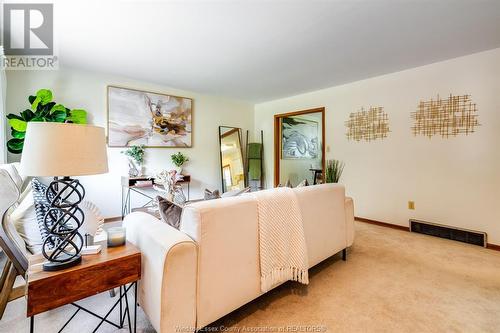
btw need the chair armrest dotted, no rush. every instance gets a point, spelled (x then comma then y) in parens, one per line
(167, 290)
(349, 220)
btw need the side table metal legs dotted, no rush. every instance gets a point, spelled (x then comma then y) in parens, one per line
(124, 313)
(135, 307)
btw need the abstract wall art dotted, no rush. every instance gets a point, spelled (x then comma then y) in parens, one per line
(367, 125)
(445, 117)
(299, 138)
(138, 117)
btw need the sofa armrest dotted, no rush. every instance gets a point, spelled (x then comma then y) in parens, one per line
(349, 220)
(167, 290)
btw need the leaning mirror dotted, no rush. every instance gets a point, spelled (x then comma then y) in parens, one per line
(231, 157)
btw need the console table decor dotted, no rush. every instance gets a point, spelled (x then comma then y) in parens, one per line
(144, 187)
(114, 267)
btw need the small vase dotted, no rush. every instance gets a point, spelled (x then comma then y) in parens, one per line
(178, 170)
(134, 169)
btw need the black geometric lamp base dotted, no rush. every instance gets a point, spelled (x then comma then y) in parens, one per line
(64, 243)
(51, 266)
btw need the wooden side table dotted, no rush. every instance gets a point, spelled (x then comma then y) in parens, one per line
(113, 267)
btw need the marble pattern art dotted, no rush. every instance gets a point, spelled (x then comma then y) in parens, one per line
(143, 118)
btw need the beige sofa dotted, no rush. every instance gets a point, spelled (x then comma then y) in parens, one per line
(194, 276)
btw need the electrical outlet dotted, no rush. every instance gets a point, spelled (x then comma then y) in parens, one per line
(411, 204)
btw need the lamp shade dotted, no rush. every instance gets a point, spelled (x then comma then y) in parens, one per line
(59, 149)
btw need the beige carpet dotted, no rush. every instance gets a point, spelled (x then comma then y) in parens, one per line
(393, 281)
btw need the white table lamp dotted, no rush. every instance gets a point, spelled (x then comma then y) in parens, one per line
(62, 150)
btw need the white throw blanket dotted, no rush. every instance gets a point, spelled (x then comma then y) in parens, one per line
(283, 253)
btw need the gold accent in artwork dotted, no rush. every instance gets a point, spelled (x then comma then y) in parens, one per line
(367, 125)
(446, 117)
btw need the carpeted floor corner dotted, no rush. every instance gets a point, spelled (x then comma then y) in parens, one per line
(393, 281)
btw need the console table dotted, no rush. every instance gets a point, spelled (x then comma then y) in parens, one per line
(114, 267)
(144, 187)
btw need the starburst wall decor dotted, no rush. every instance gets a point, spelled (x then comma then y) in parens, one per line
(367, 125)
(445, 117)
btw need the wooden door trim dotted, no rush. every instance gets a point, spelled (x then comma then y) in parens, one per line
(277, 137)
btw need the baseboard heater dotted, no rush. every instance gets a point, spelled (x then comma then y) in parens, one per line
(443, 231)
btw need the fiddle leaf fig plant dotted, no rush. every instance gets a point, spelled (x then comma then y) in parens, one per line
(42, 109)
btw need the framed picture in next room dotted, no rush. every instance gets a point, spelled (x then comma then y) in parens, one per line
(299, 138)
(137, 117)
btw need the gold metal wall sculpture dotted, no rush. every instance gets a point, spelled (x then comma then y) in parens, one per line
(367, 125)
(446, 117)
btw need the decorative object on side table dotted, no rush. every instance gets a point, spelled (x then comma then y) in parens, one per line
(135, 156)
(178, 160)
(93, 225)
(334, 169)
(42, 109)
(171, 189)
(144, 186)
(75, 150)
(116, 236)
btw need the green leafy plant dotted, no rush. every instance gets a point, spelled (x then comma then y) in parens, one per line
(136, 153)
(42, 109)
(334, 169)
(179, 159)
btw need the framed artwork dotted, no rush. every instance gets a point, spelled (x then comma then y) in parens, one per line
(137, 117)
(299, 138)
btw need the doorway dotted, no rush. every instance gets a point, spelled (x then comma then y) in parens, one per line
(299, 146)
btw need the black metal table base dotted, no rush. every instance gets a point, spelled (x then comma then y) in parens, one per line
(124, 312)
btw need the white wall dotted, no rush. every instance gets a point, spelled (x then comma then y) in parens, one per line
(453, 181)
(79, 89)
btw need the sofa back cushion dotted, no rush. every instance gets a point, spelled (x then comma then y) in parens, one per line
(323, 215)
(226, 232)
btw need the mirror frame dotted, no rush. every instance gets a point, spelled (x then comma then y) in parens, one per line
(233, 129)
(277, 139)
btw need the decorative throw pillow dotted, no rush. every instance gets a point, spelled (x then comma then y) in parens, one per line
(170, 212)
(93, 222)
(14, 174)
(235, 193)
(303, 183)
(210, 195)
(42, 206)
(25, 221)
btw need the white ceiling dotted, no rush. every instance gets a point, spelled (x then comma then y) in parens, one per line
(262, 50)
